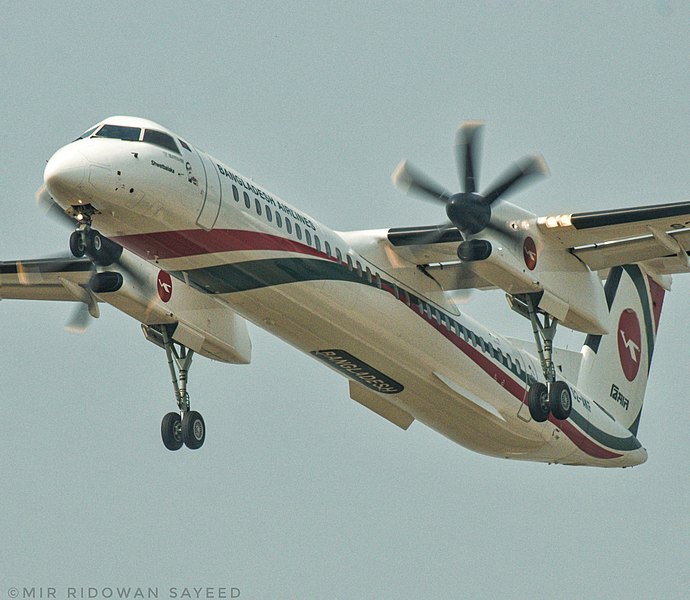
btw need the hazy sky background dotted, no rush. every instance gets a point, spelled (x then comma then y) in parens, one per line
(300, 492)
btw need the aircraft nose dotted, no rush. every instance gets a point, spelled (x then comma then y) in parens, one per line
(65, 173)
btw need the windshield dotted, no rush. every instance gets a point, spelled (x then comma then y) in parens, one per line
(119, 132)
(87, 133)
(161, 139)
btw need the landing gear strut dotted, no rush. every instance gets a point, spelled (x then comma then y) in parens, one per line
(186, 426)
(554, 397)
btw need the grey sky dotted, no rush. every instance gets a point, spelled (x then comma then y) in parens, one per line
(300, 492)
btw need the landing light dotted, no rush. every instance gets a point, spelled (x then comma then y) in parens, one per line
(557, 221)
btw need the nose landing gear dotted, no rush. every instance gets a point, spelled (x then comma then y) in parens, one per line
(86, 241)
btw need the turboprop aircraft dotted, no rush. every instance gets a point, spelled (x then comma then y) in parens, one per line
(193, 250)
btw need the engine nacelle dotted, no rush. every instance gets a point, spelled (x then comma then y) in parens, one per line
(570, 292)
(202, 324)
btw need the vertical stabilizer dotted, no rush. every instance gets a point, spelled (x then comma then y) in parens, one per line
(615, 367)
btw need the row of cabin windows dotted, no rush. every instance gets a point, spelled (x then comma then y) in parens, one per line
(305, 234)
(271, 215)
(512, 364)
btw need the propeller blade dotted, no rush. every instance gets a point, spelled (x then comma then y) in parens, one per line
(436, 234)
(467, 147)
(87, 307)
(515, 176)
(79, 320)
(410, 179)
(49, 207)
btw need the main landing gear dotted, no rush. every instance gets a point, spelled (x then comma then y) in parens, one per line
(555, 397)
(185, 426)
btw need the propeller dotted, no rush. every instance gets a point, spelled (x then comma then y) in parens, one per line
(467, 210)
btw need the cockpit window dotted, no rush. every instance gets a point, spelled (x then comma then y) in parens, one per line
(161, 139)
(88, 133)
(119, 132)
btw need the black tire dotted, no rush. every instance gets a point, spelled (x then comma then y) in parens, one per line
(76, 244)
(538, 402)
(561, 400)
(101, 250)
(171, 431)
(193, 430)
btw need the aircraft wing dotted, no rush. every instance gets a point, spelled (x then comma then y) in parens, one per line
(46, 279)
(658, 234)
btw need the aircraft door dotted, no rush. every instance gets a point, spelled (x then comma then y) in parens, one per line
(212, 194)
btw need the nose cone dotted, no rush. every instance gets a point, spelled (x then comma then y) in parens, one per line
(65, 174)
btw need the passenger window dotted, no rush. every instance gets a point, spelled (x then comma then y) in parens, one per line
(279, 220)
(317, 242)
(377, 281)
(288, 225)
(396, 291)
(359, 268)
(247, 201)
(158, 138)
(257, 205)
(349, 263)
(235, 193)
(339, 255)
(328, 248)
(298, 231)
(269, 214)
(308, 236)
(368, 274)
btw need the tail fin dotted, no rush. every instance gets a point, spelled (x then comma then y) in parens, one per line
(615, 367)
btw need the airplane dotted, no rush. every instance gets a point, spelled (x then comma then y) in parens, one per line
(192, 250)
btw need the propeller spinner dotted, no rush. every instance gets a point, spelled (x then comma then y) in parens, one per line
(467, 210)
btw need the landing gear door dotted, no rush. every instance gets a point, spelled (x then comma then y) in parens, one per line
(523, 412)
(210, 206)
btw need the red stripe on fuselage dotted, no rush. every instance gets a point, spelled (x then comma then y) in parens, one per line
(193, 242)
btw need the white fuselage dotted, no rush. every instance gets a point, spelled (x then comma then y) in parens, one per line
(227, 237)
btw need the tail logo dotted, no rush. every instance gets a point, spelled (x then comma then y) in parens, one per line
(629, 343)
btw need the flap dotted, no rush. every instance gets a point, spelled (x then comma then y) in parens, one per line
(380, 405)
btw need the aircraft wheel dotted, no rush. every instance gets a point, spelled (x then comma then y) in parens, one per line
(76, 244)
(538, 402)
(193, 430)
(560, 399)
(101, 250)
(171, 431)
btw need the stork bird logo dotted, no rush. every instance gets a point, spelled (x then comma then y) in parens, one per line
(629, 343)
(164, 285)
(529, 253)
